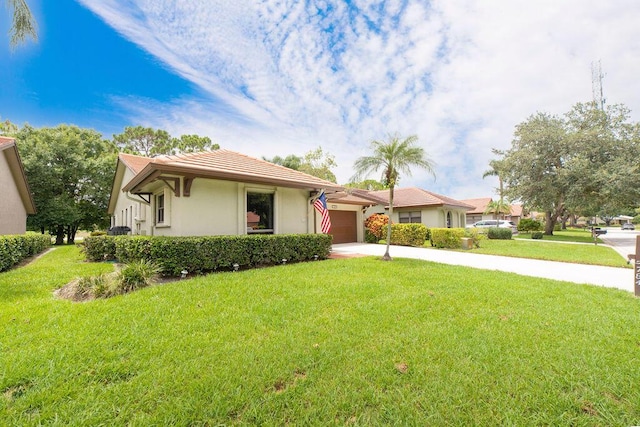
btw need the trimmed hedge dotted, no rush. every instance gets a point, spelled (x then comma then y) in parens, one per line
(527, 225)
(15, 248)
(537, 235)
(408, 234)
(496, 233)
(208, 253)
(450, 238)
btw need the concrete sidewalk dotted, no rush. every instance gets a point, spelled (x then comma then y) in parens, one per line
(610, 277)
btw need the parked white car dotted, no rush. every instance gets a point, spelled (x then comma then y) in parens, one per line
(495, 223)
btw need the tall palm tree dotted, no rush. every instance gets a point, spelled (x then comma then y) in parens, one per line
(500, 206)
(23, 24)
(394, 156)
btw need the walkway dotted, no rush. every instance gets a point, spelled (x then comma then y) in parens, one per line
(610, 277)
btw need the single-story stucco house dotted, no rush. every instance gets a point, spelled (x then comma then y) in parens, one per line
(480, 207)
(218, 192)
(415, 205)
(15, 194)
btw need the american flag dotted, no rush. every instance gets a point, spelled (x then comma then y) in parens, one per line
(321, 206)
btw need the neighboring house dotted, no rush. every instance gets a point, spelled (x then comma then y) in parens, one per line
(480, 207)
(517, 213)
(217, 192)
(421, 206)
(15, 194)
(478, 211)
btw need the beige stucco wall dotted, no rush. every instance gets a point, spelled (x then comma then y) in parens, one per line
(131, 211)
(13, 215)
(214, 207)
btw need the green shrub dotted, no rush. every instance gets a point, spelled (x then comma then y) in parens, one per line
(136, 275)
(497, 233)
(209, 253)
(96, 286)
(537, 235)
(99, 248)
(450, 238)
(527, 225)
(15, 248)
(408, 234)
(97, 233)
(557, 227)
(369, 237)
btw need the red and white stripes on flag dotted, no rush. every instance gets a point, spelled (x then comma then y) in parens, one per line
(321, 206)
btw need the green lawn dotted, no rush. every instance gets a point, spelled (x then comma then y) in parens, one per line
(564, 252)
(337, 342)
(570, 235)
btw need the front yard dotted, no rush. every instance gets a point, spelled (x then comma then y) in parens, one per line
(351, 341)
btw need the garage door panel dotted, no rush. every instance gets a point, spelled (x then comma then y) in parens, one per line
(343, 226)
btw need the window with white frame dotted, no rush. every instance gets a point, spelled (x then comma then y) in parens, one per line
(160, 211)
(410, 217)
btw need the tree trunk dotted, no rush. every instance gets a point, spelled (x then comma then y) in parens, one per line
(549, 223)
(71, 234)
(386, 256)
(59, 235)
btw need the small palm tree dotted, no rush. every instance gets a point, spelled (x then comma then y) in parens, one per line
(394, 157)
(498, 207)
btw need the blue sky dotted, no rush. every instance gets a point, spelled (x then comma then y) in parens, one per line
(279, 77)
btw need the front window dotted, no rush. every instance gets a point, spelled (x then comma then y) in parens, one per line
(410, 217)
(260, 213)
(160, 209)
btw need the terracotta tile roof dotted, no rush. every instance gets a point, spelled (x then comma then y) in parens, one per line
(135, 163)
(414, 197)
(227, 165)
(5, 142)
(480, 205)
(356, 197)
(516, 210)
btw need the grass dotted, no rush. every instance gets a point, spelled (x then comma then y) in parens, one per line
(569, 235)
(564, 252)
(352, 341)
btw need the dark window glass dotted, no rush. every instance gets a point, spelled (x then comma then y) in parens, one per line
(259, 213)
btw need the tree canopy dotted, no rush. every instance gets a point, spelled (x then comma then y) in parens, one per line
(315, 162)
(584, 162)
(393, 157)
(70, 171)
(151, 142)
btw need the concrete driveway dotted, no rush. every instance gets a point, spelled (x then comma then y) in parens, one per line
(623, 241)
(611, 277)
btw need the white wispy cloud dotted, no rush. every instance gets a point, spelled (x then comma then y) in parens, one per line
(282, 77)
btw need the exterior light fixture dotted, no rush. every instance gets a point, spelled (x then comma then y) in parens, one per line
(315, 257)
(183, 274)
(236, 266)
(284, 261)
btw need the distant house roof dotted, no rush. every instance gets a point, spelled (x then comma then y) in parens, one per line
(417, 197)
(220, 164)
(10, 149)
(516, 210)
(479, 205)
